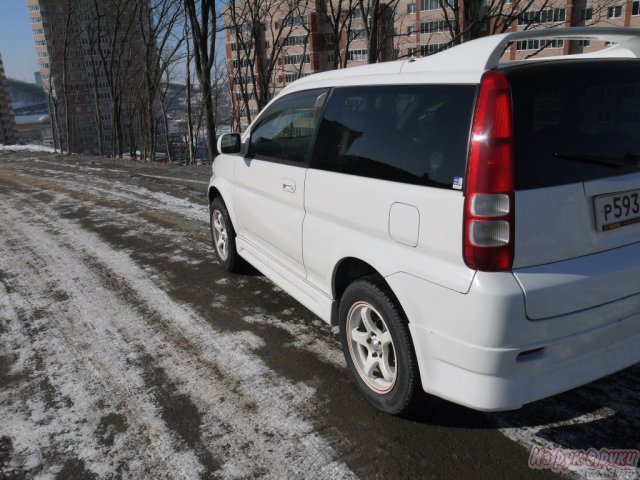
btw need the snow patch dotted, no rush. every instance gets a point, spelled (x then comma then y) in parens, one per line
(27, 148)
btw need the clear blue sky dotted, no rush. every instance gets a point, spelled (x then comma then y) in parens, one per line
(16, 42)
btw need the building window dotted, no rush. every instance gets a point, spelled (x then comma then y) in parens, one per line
(431, 48)
(242, 28)
(356, 13)
(615, 12)
(330, 58)
(549, 15)
(296, 59)
(434, 4)
(356, 34)
(294, 21)
(411, 8)
(329, 38)
(411, 52)
(245, 80)
(295, 40)
(584, 43)
(358, 55)
(434, 27)
(241, 63)
(292, 77)
(635, 9)
(586, 14)
(411, 30)
(538, 44)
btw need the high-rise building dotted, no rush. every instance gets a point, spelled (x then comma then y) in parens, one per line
(90, 68)
(284, 43)
(8, 132)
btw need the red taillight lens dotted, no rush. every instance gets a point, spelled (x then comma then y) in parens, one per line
(489, 202)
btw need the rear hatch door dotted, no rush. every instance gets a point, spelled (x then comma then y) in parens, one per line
(577, 163)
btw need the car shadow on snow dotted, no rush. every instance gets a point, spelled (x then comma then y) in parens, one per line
(602, 414)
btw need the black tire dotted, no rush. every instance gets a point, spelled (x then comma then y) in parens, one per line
(227, 256)
(373, 297)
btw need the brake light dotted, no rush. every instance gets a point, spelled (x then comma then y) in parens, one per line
(489, 202)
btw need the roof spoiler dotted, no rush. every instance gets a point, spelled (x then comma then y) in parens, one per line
(627, 41)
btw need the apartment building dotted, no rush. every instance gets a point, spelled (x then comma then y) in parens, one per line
(75, 58)
(8, 131)
(281, 45)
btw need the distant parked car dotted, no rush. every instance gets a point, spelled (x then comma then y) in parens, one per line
(472, 227)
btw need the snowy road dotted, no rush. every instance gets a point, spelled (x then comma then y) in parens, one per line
(125, 353)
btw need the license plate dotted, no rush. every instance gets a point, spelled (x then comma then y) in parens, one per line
(617, 210)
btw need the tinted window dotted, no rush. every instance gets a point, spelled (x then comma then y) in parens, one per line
(410, 133)
(285, 131)
(575, 121)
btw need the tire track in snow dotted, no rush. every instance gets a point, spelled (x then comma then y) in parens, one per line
(266, 426)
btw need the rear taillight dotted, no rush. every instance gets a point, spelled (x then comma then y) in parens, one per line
(489, 202)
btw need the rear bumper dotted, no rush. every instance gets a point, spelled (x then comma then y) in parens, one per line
(479, 349)
(495, 379)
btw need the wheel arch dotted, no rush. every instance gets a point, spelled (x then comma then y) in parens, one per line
(346, 271)
(213, 193)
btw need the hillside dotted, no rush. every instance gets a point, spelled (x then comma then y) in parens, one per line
(26, 98)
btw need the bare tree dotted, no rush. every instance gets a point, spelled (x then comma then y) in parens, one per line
(162, 39)
(221, 96)
(118, 53)
(338, 16)
(59, 69)
(189, 58)
(99, 114)
(202, 24)
(377, 21)
(259, 45)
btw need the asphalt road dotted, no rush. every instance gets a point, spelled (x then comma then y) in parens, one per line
(126, 352)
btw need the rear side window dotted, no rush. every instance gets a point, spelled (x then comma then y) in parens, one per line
(414, 134)
(575, 121)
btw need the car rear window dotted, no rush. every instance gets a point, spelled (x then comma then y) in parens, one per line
(414, 134)
(575, 120)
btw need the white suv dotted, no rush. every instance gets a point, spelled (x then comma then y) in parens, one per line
(473, 228)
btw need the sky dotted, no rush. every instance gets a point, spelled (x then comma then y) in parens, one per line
(16, 42)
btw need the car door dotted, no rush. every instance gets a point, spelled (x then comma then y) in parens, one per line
(269, 195)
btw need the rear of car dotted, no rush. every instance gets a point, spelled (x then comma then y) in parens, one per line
(552, 226)
(498, 204)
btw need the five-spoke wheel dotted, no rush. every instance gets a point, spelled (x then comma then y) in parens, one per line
(220, 234)
(223, 236)
(371, 347)
(377, 345)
